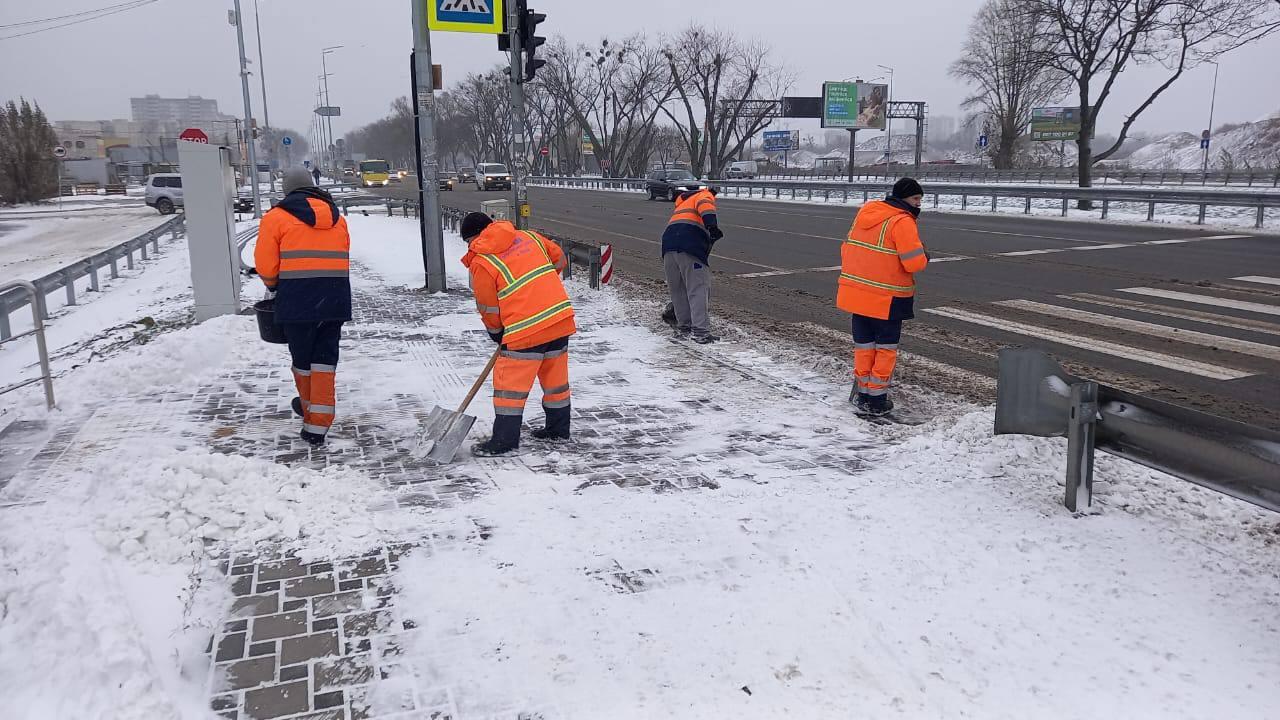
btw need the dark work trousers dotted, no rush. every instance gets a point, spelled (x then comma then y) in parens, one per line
(314, 347)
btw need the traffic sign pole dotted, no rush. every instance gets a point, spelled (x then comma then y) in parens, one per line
(424, 110)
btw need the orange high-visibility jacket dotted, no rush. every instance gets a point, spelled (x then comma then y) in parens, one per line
(515, 276)
(303, 252)
(879, 260)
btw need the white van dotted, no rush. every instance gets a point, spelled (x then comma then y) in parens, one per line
(741, 169)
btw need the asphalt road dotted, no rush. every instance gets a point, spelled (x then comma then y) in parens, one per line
(1154, 309)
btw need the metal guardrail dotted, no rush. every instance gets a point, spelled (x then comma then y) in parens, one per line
(580, 253)
(37, 320)
(65, 278)
(954, 173)
(1035, 396)
(1105, 197)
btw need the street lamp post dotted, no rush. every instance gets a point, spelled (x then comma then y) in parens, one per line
(889, 119)
(262, 77)
(1213, 101)
(324, 53)
(248, 114)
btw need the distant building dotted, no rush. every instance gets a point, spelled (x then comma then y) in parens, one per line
(193, 111)
(941, 127)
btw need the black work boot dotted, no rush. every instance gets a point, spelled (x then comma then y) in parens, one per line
(297, 406)
(557, 425)
(881, 405)
(704, 337)
(505, 438)
(313, 439)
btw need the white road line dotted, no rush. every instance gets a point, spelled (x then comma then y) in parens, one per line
(1175, 241)
(1148, 357)
(1020, 253)
(785, 232)
(1223, 237)
(1204, 300)
(1013, 234)
(1244, 347)
(775, 273)
(1258, 326)
(1259, 279)
(1110, 246)
(949, 258)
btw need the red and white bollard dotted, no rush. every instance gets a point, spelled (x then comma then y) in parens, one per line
(606, 264)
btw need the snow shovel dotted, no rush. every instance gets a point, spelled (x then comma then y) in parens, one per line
(445, 431)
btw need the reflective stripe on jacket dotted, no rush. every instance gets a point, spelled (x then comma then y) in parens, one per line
(689, 230)
(878, 260)
(303, 253)
(515, 276)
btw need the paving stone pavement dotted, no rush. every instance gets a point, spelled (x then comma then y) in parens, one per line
(315, 641)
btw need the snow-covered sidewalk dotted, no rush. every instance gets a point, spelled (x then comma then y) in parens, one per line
(722, 539)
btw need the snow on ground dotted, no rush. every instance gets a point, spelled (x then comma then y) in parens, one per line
(829, 567)
(34, 246)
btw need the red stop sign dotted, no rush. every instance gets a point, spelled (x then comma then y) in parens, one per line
(546, 151)
(194, 135)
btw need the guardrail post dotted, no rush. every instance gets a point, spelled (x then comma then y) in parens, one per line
(70, 281)
(142, 249)
(115, 265)
(964, 201)
(1064, 207)
(1081, 434)
(994, 198)
(93, 277)
(1151, 211)
(594, 268)
(1106, 204)
(1026, 210)
(6, 332)
(1261, 209)
(1200, 217)
(128, 254)
(155, 243)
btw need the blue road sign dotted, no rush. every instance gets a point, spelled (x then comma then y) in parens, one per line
(777, 140)
(306, 163)
(1204, 143)
(982, 141)
(287, 141)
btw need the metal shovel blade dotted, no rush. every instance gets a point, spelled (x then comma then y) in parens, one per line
(442, 435)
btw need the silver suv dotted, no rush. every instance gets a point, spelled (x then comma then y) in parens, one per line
(164, 192)
(492, 176)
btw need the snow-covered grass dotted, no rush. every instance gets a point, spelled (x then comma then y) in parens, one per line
(932, 575)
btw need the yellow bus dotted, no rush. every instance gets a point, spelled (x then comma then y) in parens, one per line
(375, 173)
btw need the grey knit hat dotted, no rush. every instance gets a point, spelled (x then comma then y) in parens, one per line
(297, 178)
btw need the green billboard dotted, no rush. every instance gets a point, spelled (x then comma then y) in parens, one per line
(1055, 123)
(854, 106)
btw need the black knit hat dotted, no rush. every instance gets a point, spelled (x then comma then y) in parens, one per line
(905, 188)
(474, 224)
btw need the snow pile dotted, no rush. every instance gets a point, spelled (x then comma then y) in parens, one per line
(163, 508)
(1255, 144)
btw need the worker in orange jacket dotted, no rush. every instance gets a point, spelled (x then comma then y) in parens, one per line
(303, 258)
(515, 277)
(879, 261)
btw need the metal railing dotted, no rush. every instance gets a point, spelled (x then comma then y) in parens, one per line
(65, 278)
(1067, 176)
(37, 320)
(1104, 197)
(580, 253)
(1035, 396)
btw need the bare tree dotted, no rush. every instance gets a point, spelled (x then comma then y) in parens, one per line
(1093, 41)
(721, 83)
(1004, 58)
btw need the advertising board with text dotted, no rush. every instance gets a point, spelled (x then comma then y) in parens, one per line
(1055, 124)
(777, 141)
(854, 106)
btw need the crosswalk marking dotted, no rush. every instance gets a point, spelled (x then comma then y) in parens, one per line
(1259, 279)
(775, 273)
(1193, 337)
(1204, 300)
(1258, 326)
(1110, 246)
(1019, 253)
(1171, 362)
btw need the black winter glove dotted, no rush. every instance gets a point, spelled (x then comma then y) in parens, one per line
(496, 336)
(716, 234)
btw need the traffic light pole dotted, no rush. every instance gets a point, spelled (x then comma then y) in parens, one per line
(424, 111)
(248, 117)
(519, 150)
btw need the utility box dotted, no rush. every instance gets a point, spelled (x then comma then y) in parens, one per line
(208, 185)
(496, 209)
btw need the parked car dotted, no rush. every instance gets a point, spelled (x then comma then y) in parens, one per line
(492, 176)
(740, 170)
(164, 192)
(670, 183)
(446, 180)
(467, 175)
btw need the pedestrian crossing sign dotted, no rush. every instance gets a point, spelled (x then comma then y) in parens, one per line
(475, 16)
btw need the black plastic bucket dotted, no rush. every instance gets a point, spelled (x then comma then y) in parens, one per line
(268, 330)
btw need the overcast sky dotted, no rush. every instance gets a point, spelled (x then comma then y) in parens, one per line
(181, 47)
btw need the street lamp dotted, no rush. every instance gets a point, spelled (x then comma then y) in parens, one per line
(324, 68)
(1213, 101)
(889, 118)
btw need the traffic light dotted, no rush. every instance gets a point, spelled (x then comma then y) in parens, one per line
(529, 21)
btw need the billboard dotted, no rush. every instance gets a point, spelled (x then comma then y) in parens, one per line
(802, 107)
(778, 141)
(854, 106)
(1055, 123)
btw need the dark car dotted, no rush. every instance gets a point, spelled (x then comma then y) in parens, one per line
(446, 180)
(242, 204)
(667, 184)
(467, 175)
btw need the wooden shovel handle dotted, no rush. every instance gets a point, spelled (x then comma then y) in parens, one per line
(480, 382)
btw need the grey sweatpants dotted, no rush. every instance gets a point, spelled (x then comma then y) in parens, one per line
(689, 281)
